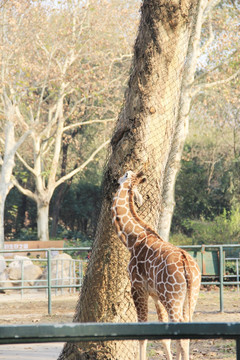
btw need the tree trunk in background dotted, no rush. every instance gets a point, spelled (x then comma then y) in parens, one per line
(7, 165)
(42, 220)
(142, 141)
(62, 189)
(182, 122)
(56, 208)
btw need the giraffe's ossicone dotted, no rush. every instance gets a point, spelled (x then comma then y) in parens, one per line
(156, 268)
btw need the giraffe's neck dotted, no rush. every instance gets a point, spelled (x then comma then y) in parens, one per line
(128, 225)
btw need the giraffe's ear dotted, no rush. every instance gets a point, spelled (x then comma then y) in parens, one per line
(138, 197)
(142, 180)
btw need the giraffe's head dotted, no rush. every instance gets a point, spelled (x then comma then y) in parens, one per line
(133, 180)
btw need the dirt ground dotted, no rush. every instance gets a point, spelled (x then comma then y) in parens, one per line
(32, 308)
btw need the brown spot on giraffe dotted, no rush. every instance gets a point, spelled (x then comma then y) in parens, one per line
(156, 268)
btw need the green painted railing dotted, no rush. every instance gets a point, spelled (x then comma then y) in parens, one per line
(77, 332)
(221, 281)
(48, 286)
(198, 248)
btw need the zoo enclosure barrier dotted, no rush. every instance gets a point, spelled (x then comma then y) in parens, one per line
(212, 262)
(211, 259)
(74, 277)
(77, 332)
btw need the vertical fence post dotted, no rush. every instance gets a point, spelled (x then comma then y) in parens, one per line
(221, 277)
(49, 282)
(237, 268)
(22, 277)
(238, 348)
(56, 277)
(74, 276)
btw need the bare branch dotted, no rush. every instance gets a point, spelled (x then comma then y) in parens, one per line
(121, 58)
(209, 8)
(24, 191)
(44, 86)
(210, 36)
(87, 123)
(47, 146)
(199, 88)
(81, 167)
(196, 80)
(29, 168)
(22, 139)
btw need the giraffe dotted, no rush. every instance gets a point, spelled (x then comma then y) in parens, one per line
(156, 268)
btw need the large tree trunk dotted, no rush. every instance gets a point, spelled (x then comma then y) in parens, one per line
(142, 141)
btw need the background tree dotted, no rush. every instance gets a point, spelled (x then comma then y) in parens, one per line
(59, 62)
(203, 48)
(13, 131)
(210, 201)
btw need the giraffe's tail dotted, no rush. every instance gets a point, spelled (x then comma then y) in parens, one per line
(189, 281)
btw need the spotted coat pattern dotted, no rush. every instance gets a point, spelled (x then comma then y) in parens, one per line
(156, 268)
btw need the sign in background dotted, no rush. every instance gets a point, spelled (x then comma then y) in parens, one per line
(27, 246)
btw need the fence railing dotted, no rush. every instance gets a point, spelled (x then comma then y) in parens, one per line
(77, 332)
(221, 282)
(237, 265)
(49, 286)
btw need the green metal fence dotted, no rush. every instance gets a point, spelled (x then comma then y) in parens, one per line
(219, 265)
(199, 252)
(48, 285)
(77, 332)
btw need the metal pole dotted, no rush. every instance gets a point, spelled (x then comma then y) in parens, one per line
(57, 276)
(221, 277)
(74, 275)
(62, 262)
(49, 282)
(237, 266)
(238, 348)
(70, 275)
(22, 277)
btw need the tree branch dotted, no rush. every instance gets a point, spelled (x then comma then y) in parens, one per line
(196, 80)
(210, 37)
(21, 140)
(51, 55)
(87, 123)
(122, 57)
(81, 167)
(24, 191)
(199, 88)
(209, 8)
(29, 168)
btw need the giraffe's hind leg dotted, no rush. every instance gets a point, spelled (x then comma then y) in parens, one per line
(182, 349)
(183, 344)
(163, 317)
(175, 313)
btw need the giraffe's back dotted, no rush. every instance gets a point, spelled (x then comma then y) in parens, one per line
(163, 269)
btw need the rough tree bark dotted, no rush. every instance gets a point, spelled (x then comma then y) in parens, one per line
(142, 140)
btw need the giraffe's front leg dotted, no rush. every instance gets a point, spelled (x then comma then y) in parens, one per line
(140, 298)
